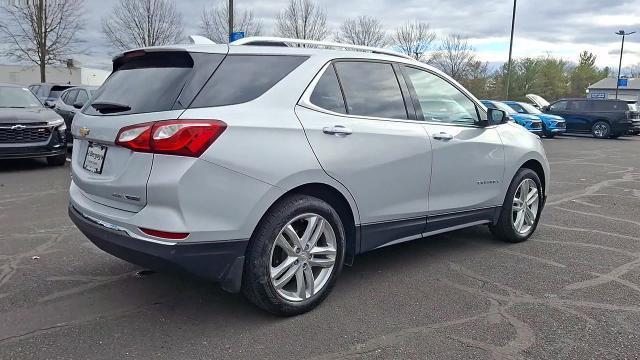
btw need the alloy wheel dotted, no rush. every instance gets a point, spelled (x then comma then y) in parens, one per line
(600, 130)
(525, 206)
(303, 257)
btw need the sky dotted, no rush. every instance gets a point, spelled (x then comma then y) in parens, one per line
(561, 28)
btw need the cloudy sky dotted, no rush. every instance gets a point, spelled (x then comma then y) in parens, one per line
(561, 28)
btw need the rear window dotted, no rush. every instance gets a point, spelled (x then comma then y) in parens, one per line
(152, 82)
(56, 90)
(243, 78)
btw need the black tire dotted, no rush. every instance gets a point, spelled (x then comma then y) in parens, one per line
(504, 229)
(58, 160)
(615, 136)
(550, 135)
(256, 283)
(605, 130)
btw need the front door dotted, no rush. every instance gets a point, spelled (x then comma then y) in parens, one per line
(468, 159)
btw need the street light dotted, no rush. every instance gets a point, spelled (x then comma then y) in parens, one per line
(623, 34)
(513, 25)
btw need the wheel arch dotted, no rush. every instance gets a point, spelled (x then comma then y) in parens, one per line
(537, 167)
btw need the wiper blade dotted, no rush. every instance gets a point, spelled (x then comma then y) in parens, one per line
(109, 107)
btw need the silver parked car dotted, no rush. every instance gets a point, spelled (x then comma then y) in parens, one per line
(268, 168)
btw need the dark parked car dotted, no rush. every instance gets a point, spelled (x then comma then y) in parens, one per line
(28, 129)
(70, 102)
(601, 118)
(48, 93)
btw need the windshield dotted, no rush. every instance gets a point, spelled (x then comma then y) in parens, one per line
(503, 107)
(530, 108)
(16, 97)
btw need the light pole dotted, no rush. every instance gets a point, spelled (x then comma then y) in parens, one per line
(513, 26)
(230, 19)
(623, 34)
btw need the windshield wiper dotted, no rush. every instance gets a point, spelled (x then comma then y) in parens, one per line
(109, 107)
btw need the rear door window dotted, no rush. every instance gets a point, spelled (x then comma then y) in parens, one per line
(327, 93)
(578, 105)
(243, 78)
(371, 89)
(151, 82)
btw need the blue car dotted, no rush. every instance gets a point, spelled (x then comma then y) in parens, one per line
(552, 125)
(530, 122)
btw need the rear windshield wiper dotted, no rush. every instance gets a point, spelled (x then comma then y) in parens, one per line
(109, 107)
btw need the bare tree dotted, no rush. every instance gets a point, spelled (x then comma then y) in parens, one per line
(364, 30)
(141, 23)
(41, 31)
(454, 56)
(413, 38)
(302, 19)
(214, 23)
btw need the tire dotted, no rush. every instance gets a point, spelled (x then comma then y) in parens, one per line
(266, 256)
(550, 135)
(506, 227)
(615, 136)
(601, 130)
(58, 160)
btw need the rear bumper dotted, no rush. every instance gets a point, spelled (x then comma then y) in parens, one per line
(220, 261)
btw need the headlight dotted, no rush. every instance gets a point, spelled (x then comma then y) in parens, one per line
(56, 123)
(62, 127)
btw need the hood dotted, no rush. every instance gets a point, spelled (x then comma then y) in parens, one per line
(551, 117)
(538, 100)
(29, 115)
(527, 117)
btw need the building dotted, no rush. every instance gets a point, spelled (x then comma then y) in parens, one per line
(606, 89)
(30, 74)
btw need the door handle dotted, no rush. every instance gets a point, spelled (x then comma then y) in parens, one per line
(337, 130)
(443, 136)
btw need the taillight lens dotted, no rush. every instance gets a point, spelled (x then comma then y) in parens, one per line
(172, 137)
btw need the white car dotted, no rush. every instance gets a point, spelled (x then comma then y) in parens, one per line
(268, 168)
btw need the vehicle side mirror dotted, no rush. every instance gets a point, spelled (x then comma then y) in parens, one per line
(78, 104)
(545, 108)
(49, 104)
(496, 117)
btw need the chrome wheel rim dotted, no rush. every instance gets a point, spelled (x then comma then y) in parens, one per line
(525, 206)
(303, 256)
(600, 130)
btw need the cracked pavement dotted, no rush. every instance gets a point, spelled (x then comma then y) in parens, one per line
(571, 292)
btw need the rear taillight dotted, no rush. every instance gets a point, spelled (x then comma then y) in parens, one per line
(172, 137)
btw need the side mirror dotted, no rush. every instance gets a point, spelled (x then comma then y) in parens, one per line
(49, 104)
(545, 108)
(496, 117)
(78, 104)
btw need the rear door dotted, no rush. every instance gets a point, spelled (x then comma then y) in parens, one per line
(144, 87)
(468, 159)
(370, 142)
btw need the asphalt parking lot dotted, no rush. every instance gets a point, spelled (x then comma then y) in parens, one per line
(572, 291)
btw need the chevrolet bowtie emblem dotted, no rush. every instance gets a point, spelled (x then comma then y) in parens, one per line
(84, 131)
(18, 127)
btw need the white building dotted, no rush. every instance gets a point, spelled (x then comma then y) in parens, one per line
(606, 89)
(30, 74)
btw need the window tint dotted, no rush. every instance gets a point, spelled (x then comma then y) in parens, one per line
(371, 89)
(242, 78)
(559, 106)
(327, 93)
(577, 105)
(69, 97)
(82, 97)
(155, 81)
(517, 108)
(440, 101)
(610, 106)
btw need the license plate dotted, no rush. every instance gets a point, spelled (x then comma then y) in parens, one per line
(94, 159)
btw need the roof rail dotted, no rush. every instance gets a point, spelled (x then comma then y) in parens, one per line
(279, 41)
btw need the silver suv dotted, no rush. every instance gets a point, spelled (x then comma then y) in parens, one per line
(266, 165)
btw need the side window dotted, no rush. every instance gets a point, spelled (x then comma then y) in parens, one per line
(327, 93)
(371, 89)
(559, 106)
(243, 78)
(70, 97)
(577, 105)
(82, 97)
(440, 101)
